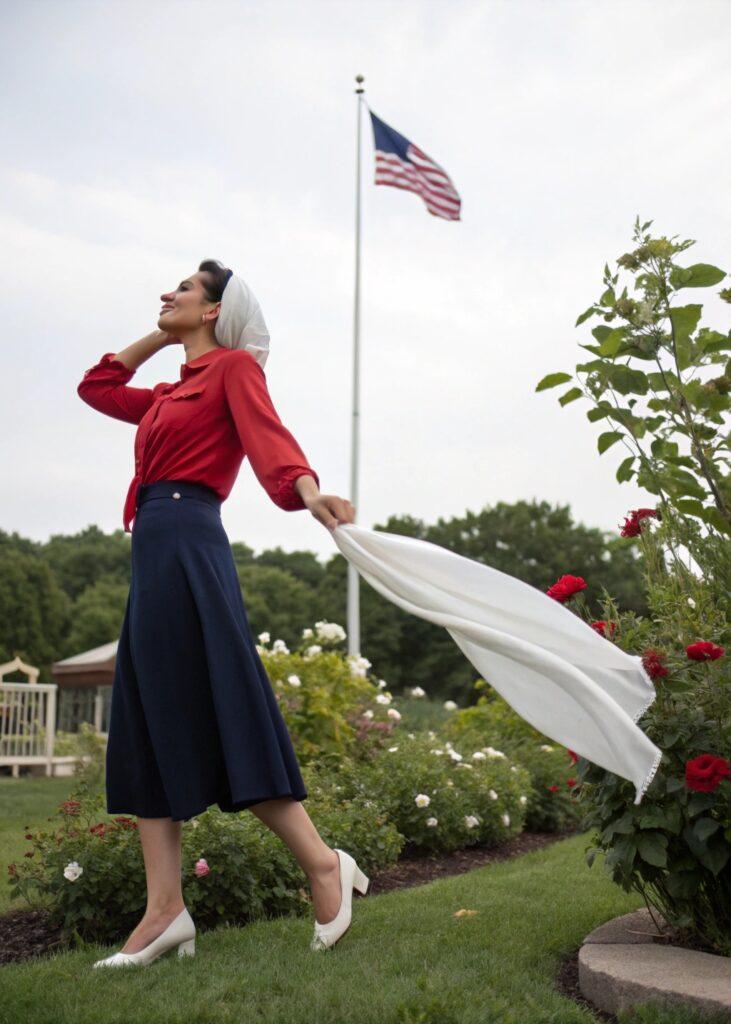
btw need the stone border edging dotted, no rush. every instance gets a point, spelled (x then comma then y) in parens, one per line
(621, 965)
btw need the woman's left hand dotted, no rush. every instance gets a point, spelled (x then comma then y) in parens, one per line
(331, 510)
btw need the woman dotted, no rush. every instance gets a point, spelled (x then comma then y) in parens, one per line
(194, 720)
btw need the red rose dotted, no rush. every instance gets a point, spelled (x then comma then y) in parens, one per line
(653, 662)
(99, 829)
(566, 587)
(704, 650)
(706, 772)
(28, 835)
(601, 627)
(29, 853)
(573, 755)
(69, 807)
(632, 524)
(553, 789)
(570, 783)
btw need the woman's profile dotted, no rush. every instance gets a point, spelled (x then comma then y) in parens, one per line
(194, 720)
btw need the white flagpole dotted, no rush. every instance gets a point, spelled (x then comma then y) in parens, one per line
(353, 628)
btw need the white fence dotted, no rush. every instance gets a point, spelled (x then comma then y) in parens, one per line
(28, 727)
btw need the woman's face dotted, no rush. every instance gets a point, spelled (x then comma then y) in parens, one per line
(184, 307)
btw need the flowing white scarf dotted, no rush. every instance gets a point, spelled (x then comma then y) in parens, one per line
(240, 322)
(553, 668)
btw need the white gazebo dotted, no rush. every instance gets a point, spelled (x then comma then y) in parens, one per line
(31, 713)
(85, 685)
(27, 719)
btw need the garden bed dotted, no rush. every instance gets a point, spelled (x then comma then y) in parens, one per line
(25, 933)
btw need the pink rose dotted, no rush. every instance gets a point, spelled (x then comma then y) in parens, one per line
(201, 867)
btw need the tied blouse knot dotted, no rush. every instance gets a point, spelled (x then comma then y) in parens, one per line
(201, 427)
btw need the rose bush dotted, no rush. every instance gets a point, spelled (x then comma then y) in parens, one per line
(675, 846)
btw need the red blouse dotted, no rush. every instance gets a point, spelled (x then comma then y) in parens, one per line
(201, 427)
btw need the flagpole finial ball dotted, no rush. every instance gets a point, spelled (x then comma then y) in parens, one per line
(359, 79)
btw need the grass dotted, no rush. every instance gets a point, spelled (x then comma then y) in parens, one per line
(405, 960)
(26, 801)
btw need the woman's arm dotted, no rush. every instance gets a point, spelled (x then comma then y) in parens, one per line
(274, 454)
(104, 385)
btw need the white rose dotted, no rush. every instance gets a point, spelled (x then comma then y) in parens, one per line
(422, 800)
(432, 822)
(471, 821)
(368, 714)
(382, 698)
(493, 794)
(505, 818)
(523, 800)
(264, 638)
(294, 680)
(392, 750)
(393, 713)
(416, 691)
(72, 871)
(546, 747)
(449, 705)
(306, 634)
(478, 756)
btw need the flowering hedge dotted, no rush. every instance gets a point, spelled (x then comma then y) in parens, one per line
(439, 798)
(87, 868)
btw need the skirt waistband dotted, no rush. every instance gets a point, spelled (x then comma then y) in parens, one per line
(177, 490)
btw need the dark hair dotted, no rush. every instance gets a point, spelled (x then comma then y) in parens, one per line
(213, 290)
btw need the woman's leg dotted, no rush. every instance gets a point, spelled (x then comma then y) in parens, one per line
(290, 821)
(160, 838)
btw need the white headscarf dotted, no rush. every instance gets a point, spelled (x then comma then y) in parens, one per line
(240, 323)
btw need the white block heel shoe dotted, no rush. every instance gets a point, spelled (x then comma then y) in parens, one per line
(180, 932)
(351, 877)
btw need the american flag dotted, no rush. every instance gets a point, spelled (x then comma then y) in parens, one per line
(402, 164)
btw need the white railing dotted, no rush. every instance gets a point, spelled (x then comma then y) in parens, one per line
(28, 725)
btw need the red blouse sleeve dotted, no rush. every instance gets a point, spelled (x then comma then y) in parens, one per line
(104, 387)
(275, 456)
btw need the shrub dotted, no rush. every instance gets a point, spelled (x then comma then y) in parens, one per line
(675, 846)
(88, 870)
(552, 804)
(438, 798)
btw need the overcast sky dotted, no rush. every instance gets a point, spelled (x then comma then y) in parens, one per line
(140, 138)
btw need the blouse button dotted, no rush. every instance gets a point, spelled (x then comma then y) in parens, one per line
(176, 494)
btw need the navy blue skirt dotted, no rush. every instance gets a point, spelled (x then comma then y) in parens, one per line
(194, 720)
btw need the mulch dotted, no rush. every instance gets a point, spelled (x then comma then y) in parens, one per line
(25, 934)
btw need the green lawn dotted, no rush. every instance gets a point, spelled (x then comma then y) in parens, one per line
(24, 802)
(405, 960)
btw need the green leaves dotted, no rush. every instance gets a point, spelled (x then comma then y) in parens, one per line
(570, 396)
(666, 340)
(552, 380)
(700, 275)
(684, 320)
(653, 848)
(627, 381)
(625, 470)
(607, 439)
